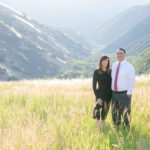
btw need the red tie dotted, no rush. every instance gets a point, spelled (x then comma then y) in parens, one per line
(116, 78)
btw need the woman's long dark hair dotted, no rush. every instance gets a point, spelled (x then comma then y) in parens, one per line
(100, 63)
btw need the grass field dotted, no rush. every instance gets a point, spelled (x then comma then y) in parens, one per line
(57, 115)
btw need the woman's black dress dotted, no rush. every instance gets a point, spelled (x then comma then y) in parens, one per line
(104, 92)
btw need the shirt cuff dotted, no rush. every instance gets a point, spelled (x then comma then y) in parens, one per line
(129, 92)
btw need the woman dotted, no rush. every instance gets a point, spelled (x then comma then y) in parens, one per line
(103, 94)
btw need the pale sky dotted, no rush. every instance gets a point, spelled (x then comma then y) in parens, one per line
(81, 15)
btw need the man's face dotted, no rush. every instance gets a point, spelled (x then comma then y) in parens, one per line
(120, 55)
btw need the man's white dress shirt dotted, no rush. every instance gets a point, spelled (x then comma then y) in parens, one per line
(126, 77)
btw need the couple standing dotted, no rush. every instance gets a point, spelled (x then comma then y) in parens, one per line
(116, 84)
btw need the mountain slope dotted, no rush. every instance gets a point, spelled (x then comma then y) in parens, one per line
(136, 40)
(78, 37)
(120, 25)
(31, 50)
(141, 61)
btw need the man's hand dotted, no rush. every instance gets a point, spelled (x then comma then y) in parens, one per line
(99, 101)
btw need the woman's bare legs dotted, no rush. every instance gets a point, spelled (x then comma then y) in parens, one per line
(101, 125)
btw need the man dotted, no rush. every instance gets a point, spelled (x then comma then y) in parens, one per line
(123, 81)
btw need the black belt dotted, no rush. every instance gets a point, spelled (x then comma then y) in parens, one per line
(120, 91)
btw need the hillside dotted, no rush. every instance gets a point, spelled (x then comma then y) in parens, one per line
(136, 40)
(141, 61)
(32, 50)
(118, 26)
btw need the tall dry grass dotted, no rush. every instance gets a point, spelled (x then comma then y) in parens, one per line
(57, 115)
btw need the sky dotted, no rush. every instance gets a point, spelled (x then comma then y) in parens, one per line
(81, 15)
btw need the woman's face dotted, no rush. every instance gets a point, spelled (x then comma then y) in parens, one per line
(105, 63)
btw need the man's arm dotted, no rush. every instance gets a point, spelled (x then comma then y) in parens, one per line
(131, 77)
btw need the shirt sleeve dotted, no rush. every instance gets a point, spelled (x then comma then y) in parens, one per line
(94, 84)
(112, 77)
(131, 77)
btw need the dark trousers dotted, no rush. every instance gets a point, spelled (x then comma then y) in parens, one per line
(121, 106)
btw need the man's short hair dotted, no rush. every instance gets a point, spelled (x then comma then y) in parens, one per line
(122, 49)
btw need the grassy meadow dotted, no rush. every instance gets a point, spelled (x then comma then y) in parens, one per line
(57, 115)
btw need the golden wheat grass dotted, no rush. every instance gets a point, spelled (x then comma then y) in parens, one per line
(57, 115)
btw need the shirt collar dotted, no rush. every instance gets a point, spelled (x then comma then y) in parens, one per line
(122, 62)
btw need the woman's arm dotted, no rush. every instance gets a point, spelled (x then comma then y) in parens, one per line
(94, 84)
(98, 99)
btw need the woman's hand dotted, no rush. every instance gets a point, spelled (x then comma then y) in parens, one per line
(99, 101)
